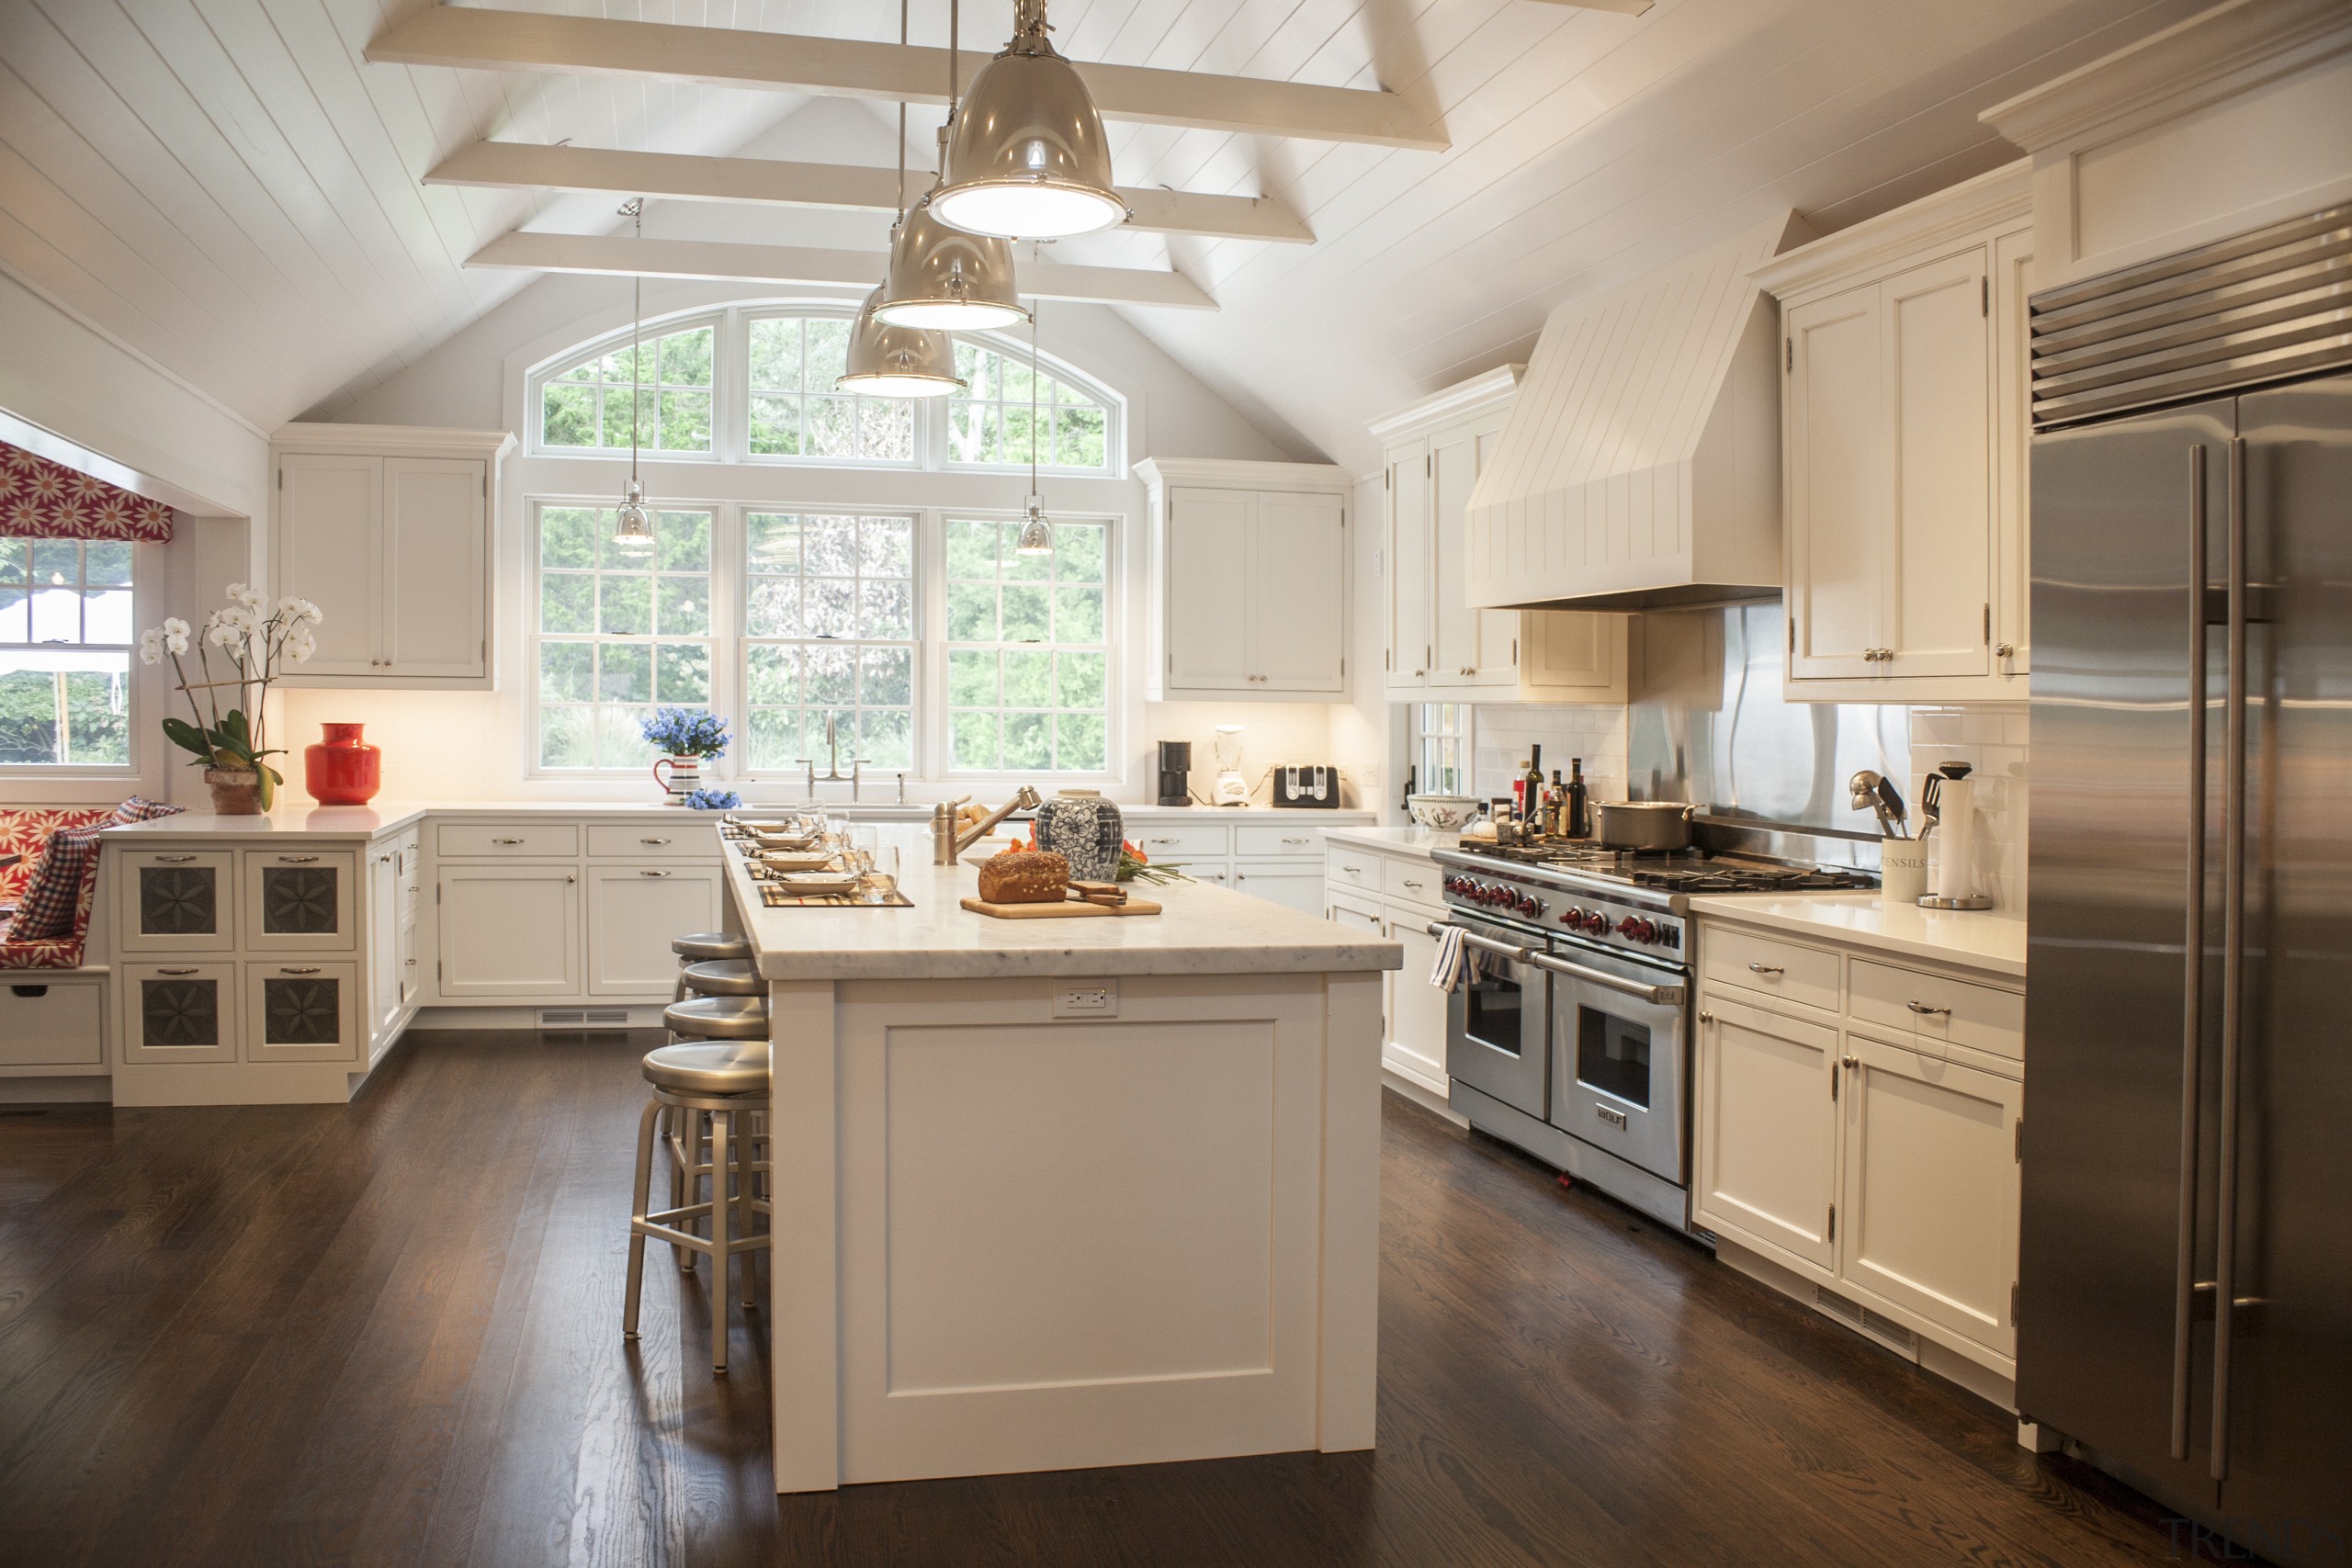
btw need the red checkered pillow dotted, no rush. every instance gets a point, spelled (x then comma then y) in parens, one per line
(55, 898)
(138, 808)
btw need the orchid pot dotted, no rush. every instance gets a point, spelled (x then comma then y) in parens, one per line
(229, 705)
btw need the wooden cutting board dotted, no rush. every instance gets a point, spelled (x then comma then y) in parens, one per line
(1069, 910)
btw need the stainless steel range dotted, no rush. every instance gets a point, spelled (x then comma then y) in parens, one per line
(1574, 1040)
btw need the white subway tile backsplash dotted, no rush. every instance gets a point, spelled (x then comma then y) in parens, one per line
(1995, 741)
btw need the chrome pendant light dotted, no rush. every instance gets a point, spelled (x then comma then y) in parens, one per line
(942, 278)
(888, 360)
(633, 524)
(1037, 534)
(1028, 157)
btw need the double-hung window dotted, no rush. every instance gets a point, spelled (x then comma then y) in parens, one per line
(1028, 649)
(828, 628)
(67, 640)
(621, 626)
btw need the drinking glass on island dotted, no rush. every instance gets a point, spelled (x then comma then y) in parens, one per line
(881, 873)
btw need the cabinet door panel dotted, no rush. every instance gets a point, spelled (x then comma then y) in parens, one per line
(1837, 466)
(1573, 656)
(1938, 561)
(634, 913)
(1405, 568)
(330, 522)
(2012, 441)
(1457, 629)
(1930, 1206)
(178, 900)
(298, 1011)
(1209, 533)
(300, 901)
(435, 563)
(384, 880)
(1767, 1128)
(1297, 594)
(510, 930)
(1296, 884)
(1417, 1013)
(178, 1012)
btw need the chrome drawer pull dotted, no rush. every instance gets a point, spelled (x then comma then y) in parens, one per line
(1925, 1010)
(653, 874)
(1767, 969)
(300, 969)
(175, 972)
(506, 840)
(173, 860)
(1410, 883)
(296, 860)
(1299, 841)
(654, 840)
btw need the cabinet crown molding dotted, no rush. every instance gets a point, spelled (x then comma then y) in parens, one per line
(2227, 50)
(1863, 249)
(1232, 473)
(378, 438)
(1463, 399)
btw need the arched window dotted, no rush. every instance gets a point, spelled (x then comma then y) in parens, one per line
(755, 384)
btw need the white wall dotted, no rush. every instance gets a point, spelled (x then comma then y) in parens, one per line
(473, 744)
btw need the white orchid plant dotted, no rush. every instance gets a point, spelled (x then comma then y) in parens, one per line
(255, 648)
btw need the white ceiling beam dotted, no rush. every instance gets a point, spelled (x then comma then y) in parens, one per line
(727, 262)
(469, 38)
(1623, 7)
(767, 180)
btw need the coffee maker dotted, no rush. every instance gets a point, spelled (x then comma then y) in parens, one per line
(1175, 773)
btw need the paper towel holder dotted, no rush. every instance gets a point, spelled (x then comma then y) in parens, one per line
(1932, 798)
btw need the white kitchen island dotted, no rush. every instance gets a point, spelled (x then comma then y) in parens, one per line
(1062, 1194)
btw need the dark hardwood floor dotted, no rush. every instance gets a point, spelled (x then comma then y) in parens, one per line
(388, 1333)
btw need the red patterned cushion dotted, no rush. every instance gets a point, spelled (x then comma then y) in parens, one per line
(61, 889)
(25, 831)
(58, 880)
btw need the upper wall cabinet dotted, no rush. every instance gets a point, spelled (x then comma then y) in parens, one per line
(1436, 646)
(1904, 431)
(389, 530)
(1249, 566)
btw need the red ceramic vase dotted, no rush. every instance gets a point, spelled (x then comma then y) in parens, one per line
(342, 770)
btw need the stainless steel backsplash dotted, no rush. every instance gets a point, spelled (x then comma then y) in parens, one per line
(1707, 723)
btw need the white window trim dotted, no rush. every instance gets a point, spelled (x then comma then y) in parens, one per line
(730, 399)
(729, 691)
(150, 697)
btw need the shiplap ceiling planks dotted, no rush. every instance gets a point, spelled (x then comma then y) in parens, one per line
(225, 187)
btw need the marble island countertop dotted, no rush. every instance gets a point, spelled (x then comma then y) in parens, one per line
(379, 818)
(1205, 929)
(1992, 941)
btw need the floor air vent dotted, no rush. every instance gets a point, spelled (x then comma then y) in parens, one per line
(1878, 1325)
(583, 1018)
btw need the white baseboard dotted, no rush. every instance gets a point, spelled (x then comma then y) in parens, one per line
(641, 1016)
(1390, 1078)
(85, 1089)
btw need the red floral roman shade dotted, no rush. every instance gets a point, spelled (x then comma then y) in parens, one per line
(42, 500)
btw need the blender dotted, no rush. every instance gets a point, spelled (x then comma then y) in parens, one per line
(1229, 788)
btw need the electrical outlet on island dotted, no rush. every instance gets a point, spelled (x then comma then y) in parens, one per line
(1090, 998)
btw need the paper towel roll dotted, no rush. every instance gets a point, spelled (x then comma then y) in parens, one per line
(1955, 838)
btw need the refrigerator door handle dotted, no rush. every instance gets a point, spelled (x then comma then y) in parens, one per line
(2192, 1027)
(2233, 962)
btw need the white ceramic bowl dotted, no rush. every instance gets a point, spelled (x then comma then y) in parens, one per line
(805, 883)
(1443, 813)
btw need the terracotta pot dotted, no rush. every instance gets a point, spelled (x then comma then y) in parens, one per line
(343, 769)
(236, 792)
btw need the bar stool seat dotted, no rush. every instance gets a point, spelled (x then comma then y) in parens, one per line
(709, 1068)
(724, 977)
(717, 1018)
(702, 946)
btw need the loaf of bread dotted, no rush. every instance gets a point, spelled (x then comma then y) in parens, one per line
(1025, 877)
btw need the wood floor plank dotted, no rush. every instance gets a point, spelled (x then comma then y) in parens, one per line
(388, 1333)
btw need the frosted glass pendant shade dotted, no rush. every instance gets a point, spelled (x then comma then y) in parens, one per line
(1037, 534)
(943, 280)
(886, 361)
(632, 523)
(1026, 157)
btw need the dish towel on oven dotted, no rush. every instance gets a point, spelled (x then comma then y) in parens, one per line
(1457, 961)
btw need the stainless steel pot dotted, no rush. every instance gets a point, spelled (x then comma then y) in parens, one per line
(1661, 825)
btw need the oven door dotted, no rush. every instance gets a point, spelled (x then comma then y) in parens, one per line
(1494, 1025)
(1620, 1055)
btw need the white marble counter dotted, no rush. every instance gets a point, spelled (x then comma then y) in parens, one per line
(1992, 941)
(1412, 840)
(386, 817)
(1204, 931)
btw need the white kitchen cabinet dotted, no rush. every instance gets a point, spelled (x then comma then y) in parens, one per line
(1416, 1042)
(384, 928)
(1396, 892)
(1930, 1194)
(1249, 570)
(1436, 645)
(1903, 443)
(509, 930)
(634, 913)
(1295, 883)
(391, 531)
(1766, 1128)
(301, 1010)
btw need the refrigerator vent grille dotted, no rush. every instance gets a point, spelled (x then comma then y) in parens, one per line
(1878, 1325)
(2274, 303)
(581, 1018)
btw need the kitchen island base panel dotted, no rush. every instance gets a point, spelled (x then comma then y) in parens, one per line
(1064, 1244)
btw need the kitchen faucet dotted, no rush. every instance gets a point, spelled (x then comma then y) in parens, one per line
(834, 775)
(948, 845)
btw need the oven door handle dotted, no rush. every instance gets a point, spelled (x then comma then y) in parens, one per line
(1485, 944)
(1660, 995)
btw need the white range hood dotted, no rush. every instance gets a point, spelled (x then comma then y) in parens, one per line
(1641, 466)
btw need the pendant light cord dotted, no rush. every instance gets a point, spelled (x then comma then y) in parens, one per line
(1035, 500)
(635, 333)
(903, 122)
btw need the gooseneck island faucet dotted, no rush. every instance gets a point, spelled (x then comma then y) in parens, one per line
(948, 845)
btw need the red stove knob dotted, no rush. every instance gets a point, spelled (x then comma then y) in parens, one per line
(1640, 929)
(1595, 922)
(1572, 917)
(1529, 905)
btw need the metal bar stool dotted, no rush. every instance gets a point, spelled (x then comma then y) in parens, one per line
(685, 1133)
(701, 947)
(722, 1081)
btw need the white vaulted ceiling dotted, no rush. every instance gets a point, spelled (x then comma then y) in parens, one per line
(226, 187)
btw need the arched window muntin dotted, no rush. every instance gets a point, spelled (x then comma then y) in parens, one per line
(751, 383)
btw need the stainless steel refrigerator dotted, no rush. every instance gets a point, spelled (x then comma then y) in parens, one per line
(2185, 1268)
